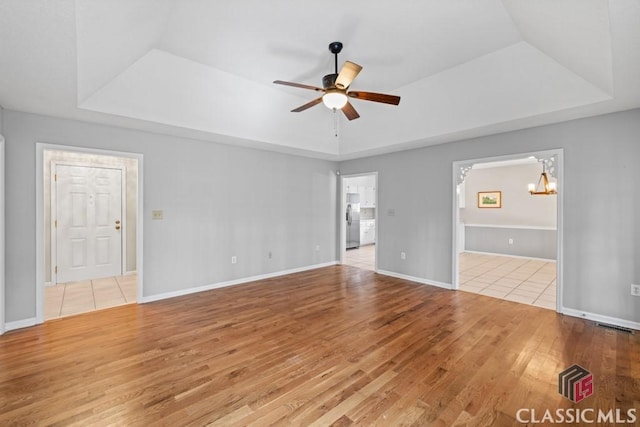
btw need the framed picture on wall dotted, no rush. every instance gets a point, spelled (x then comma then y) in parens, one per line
(490, 199)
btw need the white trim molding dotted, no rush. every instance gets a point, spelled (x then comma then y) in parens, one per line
(2, 257)
(19, 324)
(601, 318)
(416, 279)
(240, 281)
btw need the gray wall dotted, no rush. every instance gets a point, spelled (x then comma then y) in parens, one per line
(218, 200)
(519, 208)
(601, 206)
(530, 221)
(527, 242)
(221, 200)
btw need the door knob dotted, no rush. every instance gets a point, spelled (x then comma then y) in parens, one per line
(117, 222)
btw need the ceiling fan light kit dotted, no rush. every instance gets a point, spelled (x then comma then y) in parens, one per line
(334, 99)
(335, 86)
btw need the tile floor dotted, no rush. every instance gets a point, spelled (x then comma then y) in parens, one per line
(521, 280)
(65, 299)
(364, 257)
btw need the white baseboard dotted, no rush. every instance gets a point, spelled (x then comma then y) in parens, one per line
(46, 284)
(601, 318)
(234, 282)
(417, 279)
(130, 273)
(19, 324)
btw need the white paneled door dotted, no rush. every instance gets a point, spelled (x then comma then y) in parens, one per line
(88, 222)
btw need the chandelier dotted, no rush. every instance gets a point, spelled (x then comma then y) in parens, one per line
(544, 187)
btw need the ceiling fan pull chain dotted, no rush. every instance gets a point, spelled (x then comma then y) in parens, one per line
(335, 123)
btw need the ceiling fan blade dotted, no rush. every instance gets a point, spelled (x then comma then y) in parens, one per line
(307, 105)
(350, 112)
(349, 72)
(375, 97)
(301, 86)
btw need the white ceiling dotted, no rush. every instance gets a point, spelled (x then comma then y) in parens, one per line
(204, 69)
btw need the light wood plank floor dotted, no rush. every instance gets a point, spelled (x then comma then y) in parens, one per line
(333, 346)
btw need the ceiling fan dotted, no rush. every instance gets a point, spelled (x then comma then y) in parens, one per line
(335, 87)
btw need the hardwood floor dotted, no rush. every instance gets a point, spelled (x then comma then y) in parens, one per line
(332, 346)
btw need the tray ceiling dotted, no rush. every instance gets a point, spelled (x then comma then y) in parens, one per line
(204, 69)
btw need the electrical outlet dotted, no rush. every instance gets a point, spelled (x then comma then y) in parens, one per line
(635, 290)
(234, 260)
(511, 241)
(403, 255)
(157, 214)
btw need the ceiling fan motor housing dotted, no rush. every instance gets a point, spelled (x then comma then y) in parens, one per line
(335, 47)
(329, 81)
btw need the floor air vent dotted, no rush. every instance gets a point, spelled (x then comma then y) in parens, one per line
(614, 327)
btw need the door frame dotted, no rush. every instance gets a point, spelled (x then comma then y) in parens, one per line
(559, 166)
(54, 201)
(41, 147)
(2, 270)
(343, 207)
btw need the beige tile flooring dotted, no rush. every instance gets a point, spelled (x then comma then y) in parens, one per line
(65, 299)
(364, 257)
(521, 280)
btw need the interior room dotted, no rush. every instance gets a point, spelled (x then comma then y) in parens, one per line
(360, 216)
(203, 161)
(507, 245)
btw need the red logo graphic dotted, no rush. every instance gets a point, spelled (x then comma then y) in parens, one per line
(575, 383)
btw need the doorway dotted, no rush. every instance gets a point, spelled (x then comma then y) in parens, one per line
(359, 228)
(510, 249)
(90, 235)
